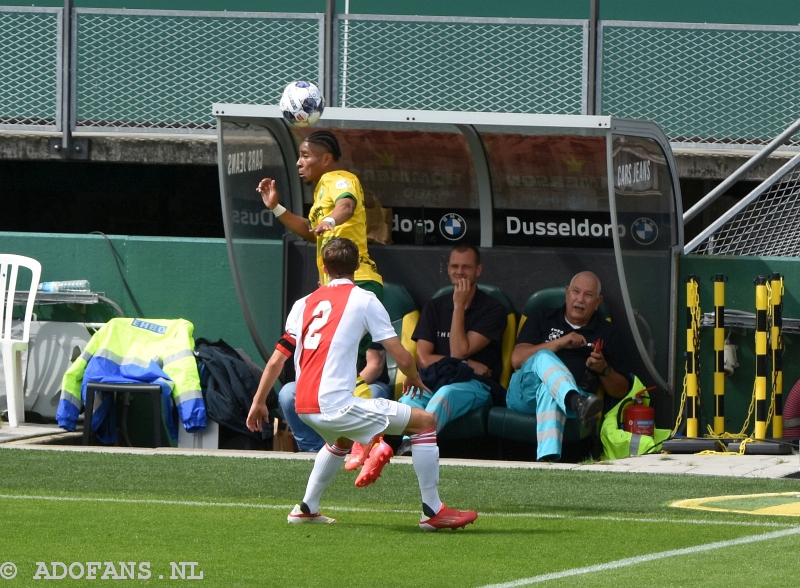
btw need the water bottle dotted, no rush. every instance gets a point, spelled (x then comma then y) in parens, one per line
(65, 286)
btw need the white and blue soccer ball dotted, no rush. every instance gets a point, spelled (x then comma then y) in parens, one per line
(302, 103)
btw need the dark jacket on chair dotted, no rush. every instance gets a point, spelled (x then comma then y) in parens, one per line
(450, 370)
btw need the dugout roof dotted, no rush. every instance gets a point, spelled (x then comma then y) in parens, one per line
(560, 186)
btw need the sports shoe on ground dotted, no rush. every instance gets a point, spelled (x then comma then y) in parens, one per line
(448, 518)
(298, 517)
(358, 455)
(587, 409)
(378, 457)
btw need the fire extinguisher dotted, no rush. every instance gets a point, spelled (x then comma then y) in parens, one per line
(639, 418)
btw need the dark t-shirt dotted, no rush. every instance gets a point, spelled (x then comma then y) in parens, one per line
(485, 316)
(550, 324)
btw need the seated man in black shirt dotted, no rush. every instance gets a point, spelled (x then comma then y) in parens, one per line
(561, 365)
(465, 327)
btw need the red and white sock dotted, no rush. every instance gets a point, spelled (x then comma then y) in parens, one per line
(425, 458)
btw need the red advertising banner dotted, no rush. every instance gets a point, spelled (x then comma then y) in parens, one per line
(410, 168)
(548, 172)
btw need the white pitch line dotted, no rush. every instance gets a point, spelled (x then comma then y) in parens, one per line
(517, 515)
(659, 520)
(632, 561)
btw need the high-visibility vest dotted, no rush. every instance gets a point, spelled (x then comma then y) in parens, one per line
(140, 351)
(618, 443)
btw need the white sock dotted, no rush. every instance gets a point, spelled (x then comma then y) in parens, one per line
(425, 457)
(327, 463)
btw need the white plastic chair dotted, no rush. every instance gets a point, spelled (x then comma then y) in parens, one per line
(12, 345)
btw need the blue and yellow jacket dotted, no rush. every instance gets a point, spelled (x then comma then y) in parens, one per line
(136, 351)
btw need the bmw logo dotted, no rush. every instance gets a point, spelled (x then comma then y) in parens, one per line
(452, 226)
(644, 231)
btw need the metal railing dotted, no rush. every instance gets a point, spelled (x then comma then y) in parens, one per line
(466, 64)
(765, 222)
(703, 83)
(159, 71)
(30, 68)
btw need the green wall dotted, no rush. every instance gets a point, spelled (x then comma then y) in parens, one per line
(780, 12)
(739, 295)
(169, 278)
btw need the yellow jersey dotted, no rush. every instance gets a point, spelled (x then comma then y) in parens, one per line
(331, 187)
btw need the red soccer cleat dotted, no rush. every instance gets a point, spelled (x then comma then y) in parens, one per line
(448, 518)
(378, 457)
(358, 455)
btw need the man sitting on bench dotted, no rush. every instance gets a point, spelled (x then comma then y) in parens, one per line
(460, 337)
(563, 356)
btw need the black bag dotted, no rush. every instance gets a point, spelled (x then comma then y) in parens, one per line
(229, 385)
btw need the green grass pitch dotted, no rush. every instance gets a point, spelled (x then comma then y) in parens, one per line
(171, 519)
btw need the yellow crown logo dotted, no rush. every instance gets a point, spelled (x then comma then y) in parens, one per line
(385, 158)
(574, 165)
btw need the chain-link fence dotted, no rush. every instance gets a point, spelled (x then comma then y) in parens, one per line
(704, 84)
(767, 223)
(30, 54)
(491, 65)
(163, 70)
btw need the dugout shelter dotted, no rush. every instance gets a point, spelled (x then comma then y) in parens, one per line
(544, 196)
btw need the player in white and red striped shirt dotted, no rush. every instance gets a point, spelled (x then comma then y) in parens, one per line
(323, 331)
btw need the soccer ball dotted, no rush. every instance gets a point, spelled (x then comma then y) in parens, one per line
(302, 103)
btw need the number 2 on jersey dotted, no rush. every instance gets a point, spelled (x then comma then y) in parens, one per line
(321, 314)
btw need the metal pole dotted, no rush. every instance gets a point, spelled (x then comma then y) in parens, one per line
(66, 86)
(67, 147)
(591, 82)
(327, 59)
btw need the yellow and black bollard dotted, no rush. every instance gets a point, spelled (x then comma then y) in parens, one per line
(761, 359)
(692, 354)
(768, 291)
(776, 348)
(719, 353)
(690, 399)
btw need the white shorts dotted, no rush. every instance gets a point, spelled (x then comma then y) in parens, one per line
(361, 420)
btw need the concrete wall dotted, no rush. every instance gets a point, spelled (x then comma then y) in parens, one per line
(191, 279)
(169, 278)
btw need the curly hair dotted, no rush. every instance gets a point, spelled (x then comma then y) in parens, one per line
(327, 141)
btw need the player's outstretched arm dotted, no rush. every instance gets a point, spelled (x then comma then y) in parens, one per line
(296, 224)
(258, 410)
